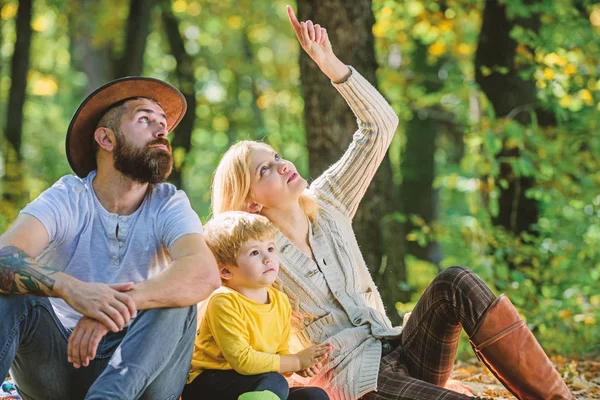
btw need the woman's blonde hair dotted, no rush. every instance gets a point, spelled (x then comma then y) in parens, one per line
(231, 183)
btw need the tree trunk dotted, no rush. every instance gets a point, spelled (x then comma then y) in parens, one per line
(19, 70)
(13, 183)
(330, 124)
(418, 167)
(512, 97)
(97, 62)
(138, 27)
(182, 139)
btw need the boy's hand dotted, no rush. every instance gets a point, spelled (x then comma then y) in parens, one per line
(312, 371)
(313, 355)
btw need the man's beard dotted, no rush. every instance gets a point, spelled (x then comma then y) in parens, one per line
(145, 165)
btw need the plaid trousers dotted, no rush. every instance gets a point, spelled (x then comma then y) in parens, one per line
(417, 365)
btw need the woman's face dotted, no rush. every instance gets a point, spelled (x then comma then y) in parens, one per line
(274, 181)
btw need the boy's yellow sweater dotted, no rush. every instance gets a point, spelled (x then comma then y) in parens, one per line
(241, 334)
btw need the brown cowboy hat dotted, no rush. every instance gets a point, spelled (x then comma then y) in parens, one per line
(83, 124)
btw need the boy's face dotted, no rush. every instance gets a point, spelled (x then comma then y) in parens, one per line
(257, 265)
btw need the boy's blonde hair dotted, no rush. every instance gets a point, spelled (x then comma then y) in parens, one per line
(227, 232)
(231, 183)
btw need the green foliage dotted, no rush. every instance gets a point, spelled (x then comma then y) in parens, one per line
(556, 280)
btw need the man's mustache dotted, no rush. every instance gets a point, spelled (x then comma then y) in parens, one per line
(160, 141)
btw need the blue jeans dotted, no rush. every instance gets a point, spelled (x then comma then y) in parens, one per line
(148, 360)
(229, 385)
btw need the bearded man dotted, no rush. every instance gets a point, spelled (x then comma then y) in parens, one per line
(99, 275)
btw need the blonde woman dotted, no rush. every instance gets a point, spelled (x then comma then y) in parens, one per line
(333, 297)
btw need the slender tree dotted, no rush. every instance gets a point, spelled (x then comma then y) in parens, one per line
(182, 140)
(418, 166)
(92, 57)
(137, 29)
(14, 184)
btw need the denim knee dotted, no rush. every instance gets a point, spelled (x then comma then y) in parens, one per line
(275, 383)
(176, 316)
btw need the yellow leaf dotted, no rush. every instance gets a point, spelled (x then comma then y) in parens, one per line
(555, 59)
(9, 11)
(178, 157)
(386, 11)
(522, 50)
(194, 9)
(380, 28)
(234, 22)
(586, 96)
(549, 73)
(45, 87)
(445, 26)
(465, 49)
(263, 101)
(595, 16)
(565, 101)
(411, 237)
(570, 69)
(542, 154)
(437, 49)
(564, 313)
(179, 6)
(40, 23)
(419, 221)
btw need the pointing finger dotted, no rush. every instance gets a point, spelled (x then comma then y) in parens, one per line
(293, 19)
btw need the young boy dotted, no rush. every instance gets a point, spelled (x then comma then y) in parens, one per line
(242, 343)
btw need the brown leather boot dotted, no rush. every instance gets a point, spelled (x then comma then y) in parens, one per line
(508, 348)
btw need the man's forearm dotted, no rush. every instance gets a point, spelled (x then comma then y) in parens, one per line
(21, 274)
(182, 284)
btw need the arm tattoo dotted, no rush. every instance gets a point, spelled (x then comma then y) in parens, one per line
(21, 274)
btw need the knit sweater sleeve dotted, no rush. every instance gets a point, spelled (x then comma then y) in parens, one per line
(345, 182)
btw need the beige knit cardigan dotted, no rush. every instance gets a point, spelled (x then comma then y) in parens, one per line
(335, 300)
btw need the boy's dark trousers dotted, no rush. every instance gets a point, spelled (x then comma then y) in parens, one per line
(229, 385)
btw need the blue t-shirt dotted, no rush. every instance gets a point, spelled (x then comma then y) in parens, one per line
(94, 245)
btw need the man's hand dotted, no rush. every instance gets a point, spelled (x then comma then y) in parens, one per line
(84, 341)
(314, 40)
(104, 303)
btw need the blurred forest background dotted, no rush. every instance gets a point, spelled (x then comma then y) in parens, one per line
(495, 165)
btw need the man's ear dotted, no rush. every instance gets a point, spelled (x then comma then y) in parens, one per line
(105, 138)
(254, 208)
(225, 272)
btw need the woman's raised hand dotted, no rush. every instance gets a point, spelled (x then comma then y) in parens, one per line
(314, 40)
(312, 37)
